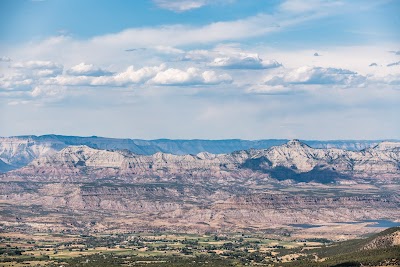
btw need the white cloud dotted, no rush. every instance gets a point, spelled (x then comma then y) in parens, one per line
(318, 76)
(39, 68)
(46, 91)
(264, 89)
(229, 56)
(136, 76)
(211, 77)
(180, 5)
(37, 65)
(196, 55)
(84, 69)
(244, 61)
(125, 78)
(153, 75)
(15, 82)
(18, 102)
(48, 72)
(302, 6)
(112, 46)
(22, 76)
(180, 35)
(191, 76)
(69, 80)
(186, 5)
(168, 49)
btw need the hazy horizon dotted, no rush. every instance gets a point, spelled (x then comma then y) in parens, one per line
(201, 139)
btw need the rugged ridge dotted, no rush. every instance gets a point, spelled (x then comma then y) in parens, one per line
(18, 151)
(386, 239)
(81, 188)
(293, 160)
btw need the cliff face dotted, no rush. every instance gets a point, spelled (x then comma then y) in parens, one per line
(80, 187)
(183, 206)
(293, 160)
(17, 152)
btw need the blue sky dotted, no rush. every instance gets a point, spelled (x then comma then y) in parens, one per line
(310, 69)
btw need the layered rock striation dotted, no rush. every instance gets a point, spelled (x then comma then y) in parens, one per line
(291, 161)
(18, 151)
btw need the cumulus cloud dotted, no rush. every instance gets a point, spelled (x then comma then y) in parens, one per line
(84, 69)
(393, 64)
(373, 64)
(23, 76)
(316, 75)
(127, 77)
(131, 76)
(244, 61)
(39, 68)
(191, 76)
(15, 82)
(158, 75)
(37, 64)
(46, 91)
(48, 72)
(316, 54)
(69, 80)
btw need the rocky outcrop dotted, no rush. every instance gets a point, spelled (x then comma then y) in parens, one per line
(386, 239)
(16, 152)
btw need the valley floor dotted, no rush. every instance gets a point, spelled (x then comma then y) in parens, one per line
(173, 249)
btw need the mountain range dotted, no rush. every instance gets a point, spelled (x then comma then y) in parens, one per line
(293, 160)
(82, 188)
(18, 151)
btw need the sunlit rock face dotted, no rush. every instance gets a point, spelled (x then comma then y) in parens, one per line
(292, 183)
(16, 152)
(291, 161)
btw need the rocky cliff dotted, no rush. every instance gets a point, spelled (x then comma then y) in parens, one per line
(17, 152)
(293, 160)
(81, 187)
